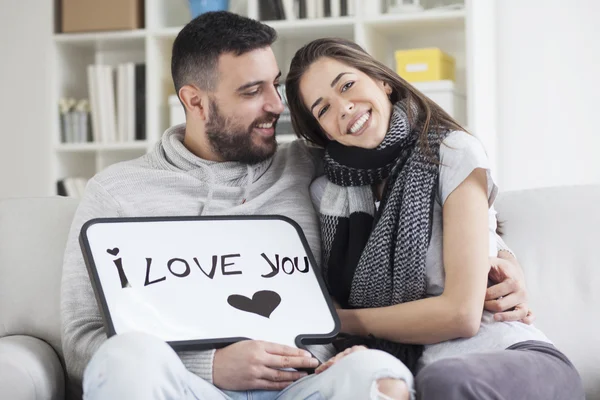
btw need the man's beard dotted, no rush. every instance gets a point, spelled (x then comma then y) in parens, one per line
(234, 142)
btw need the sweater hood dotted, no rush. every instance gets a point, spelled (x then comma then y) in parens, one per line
(170, 153)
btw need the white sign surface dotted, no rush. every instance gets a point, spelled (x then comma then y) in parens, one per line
(208, 281)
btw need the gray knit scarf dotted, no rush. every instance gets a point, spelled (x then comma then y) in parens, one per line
(377, 259)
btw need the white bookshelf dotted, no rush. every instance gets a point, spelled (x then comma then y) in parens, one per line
(379, 33)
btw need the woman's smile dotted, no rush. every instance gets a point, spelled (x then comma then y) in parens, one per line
(359, 124)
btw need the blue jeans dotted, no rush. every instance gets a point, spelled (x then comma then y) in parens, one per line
(139, 366)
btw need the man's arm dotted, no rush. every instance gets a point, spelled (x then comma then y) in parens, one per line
(82, 327)
(244, 365)
(508, 298)
(83, 330)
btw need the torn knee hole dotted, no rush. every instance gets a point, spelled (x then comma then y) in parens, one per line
(389, 389)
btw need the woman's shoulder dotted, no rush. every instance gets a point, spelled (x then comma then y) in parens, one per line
(460, 149)
(461, 143)
(460, 154)
(317, 188)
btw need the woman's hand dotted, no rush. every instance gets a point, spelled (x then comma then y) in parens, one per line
(338, 357)
(508, 298)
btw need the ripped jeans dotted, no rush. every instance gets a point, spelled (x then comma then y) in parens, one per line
(115, 372)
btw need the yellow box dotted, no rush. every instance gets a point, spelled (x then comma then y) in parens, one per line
(421, 65)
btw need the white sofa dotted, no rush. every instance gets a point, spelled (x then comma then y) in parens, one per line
(553, 231)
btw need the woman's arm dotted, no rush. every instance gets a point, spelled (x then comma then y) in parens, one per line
(456, 312)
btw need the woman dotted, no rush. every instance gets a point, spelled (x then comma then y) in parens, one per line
(415, 269)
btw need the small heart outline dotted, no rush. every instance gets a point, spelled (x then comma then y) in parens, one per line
(113, 252)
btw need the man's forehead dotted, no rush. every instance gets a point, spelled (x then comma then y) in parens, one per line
(256, 65)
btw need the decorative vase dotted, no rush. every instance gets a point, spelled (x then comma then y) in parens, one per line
(198, 7)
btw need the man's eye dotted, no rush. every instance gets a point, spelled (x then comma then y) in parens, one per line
(322, 111)
(251, 94)
(347, 86)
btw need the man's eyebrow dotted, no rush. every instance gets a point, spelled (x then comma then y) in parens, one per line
(255, 83)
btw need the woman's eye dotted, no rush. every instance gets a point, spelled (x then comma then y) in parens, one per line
(347, 86)
(322, 111)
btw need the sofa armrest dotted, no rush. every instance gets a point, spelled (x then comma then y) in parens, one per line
(30, 370)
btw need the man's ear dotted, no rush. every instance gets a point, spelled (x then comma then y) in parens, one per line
(194, 100)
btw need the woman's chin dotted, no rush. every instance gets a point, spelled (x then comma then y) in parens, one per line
(367, 139)
(370, 141)
(370, 138)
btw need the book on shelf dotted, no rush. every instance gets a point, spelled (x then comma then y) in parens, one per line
(117, 98)
(74, 120)
(140, 102)
(270, 10)
(72, 186)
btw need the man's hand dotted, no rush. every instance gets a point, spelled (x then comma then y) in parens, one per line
(253, 364)
(337, 358)
(508, 298)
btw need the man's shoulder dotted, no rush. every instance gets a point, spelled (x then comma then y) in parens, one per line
(300, 150)
(124, 173)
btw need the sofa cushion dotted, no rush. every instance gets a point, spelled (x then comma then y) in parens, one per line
(33, 234)
(29, 370)
(554, 233)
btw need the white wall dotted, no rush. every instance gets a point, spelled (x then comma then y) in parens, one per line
(548, 77)
(25, 45)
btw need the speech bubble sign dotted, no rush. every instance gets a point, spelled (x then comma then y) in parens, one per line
(202, 282)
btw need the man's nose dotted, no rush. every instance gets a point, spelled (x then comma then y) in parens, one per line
(274, 104)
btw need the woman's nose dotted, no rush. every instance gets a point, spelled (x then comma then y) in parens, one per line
(347, 109)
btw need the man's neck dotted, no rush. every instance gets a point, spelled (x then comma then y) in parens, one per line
(196, 142)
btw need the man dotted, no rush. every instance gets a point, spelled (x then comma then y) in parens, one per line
(223, 161)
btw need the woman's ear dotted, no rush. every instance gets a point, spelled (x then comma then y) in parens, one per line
(194, 101)
(387, 88)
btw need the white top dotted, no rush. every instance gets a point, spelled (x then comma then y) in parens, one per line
(460, 154)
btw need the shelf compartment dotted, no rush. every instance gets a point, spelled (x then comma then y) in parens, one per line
(96, 147)
(292, 29)
(397, 23)
(101, 41)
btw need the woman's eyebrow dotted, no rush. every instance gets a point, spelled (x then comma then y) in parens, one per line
(316, 103)
(337, 78)
(333, 83)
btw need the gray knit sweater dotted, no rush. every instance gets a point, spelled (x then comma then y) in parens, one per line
(171, 181)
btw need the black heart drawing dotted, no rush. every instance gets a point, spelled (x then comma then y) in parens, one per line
(114, 251)
(263, 302)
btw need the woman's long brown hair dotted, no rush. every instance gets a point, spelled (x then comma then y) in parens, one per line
(351, 54)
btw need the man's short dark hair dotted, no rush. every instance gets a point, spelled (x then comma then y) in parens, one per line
(197, 48)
